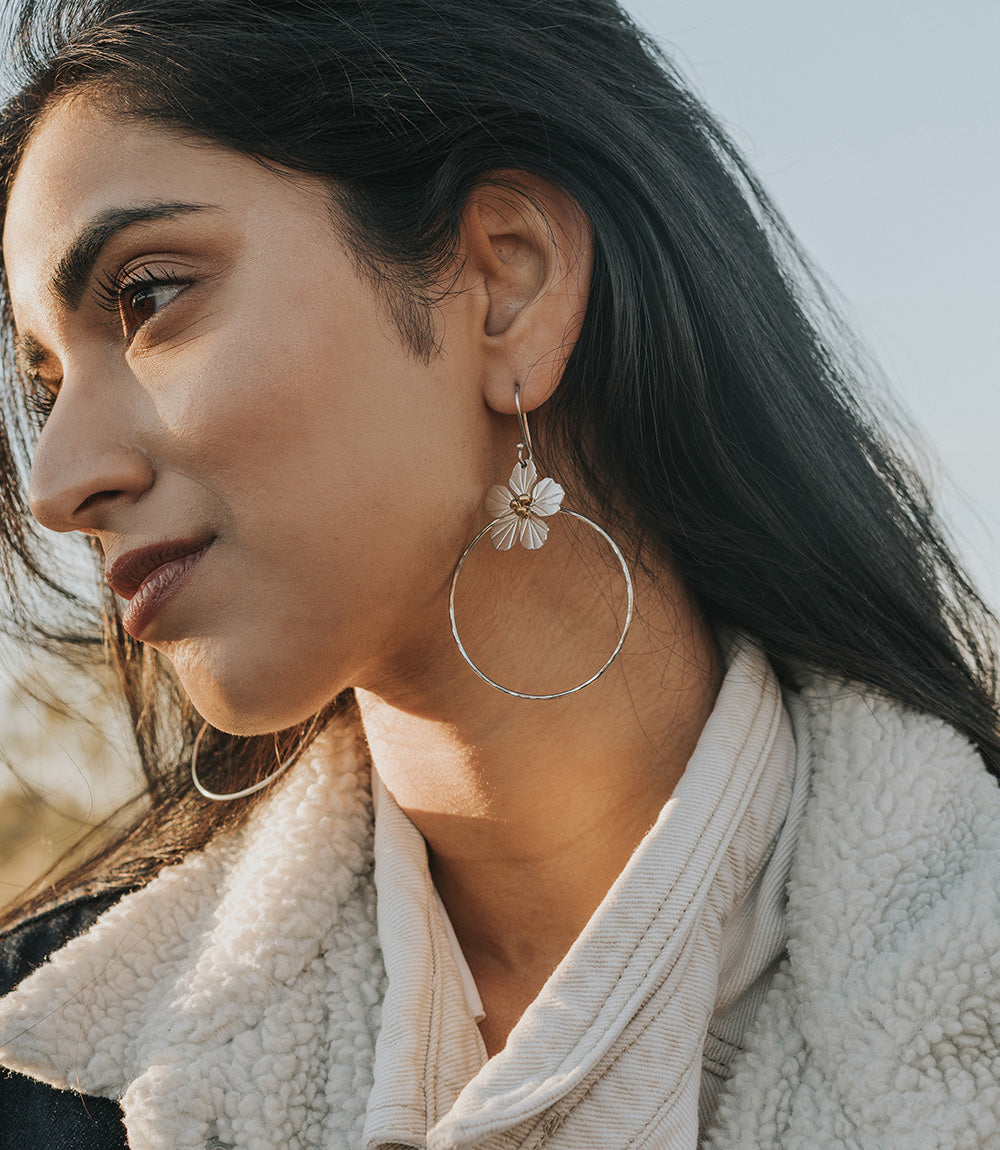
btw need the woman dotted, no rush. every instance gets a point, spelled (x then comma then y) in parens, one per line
(684, 824)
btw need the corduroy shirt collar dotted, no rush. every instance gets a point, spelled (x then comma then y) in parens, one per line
(614, 1041)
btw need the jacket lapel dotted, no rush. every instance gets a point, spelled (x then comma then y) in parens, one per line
(883, 1028)
(881, 1031)
(189, 1003)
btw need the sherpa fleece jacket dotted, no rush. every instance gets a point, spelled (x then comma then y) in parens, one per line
(881, 1030)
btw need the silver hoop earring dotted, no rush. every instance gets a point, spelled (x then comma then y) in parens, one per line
(518, 514)
(225, 798)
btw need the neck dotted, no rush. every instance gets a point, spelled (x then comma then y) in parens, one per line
(531, 808)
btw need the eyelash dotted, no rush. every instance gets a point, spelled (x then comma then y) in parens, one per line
(40, 402)
(113, 287)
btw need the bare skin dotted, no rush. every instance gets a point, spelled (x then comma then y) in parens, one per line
(248, 387)
(527, 834)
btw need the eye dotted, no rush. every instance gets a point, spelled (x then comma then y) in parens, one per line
(139, 304)
(40, 402)
(39, 397)
(137, 296)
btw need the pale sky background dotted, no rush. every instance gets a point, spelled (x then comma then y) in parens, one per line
(874, 125)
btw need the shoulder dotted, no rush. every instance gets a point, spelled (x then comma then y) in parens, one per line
(860, 737)
(29, 943)
(901, 806)
(893, 913)
(37, 1116)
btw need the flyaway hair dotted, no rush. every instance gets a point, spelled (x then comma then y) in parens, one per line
(713, 398)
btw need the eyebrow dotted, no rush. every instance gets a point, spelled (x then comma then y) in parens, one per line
(72, 274)
(28, 354)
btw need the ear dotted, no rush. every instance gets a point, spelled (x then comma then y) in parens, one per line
(528, 245)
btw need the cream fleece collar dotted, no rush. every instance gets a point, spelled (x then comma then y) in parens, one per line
(882, 1032)
(199, 999)
(236, 999)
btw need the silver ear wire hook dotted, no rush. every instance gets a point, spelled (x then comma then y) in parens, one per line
(525, 444)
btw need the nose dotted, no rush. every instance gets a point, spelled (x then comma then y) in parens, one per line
(86, 463)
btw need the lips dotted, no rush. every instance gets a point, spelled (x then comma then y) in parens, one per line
(148, 576)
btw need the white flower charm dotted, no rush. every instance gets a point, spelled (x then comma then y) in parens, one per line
(517, 507)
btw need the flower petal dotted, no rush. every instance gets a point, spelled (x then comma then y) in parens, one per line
(523, 477)
(534, 532)
(546, 497)
(497, 501)
(504, 533)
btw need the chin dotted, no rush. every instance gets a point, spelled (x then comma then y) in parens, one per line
(243, 703)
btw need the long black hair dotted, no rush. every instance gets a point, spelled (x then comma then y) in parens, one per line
(711, 392)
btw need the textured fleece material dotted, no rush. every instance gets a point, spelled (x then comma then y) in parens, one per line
(882, 1030)
(33, 1116)
(879, 1032)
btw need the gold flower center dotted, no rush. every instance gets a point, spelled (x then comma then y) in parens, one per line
(520, 505)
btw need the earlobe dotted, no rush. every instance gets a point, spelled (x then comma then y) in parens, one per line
(529, 245)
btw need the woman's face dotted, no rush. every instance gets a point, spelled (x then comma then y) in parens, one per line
(235, 409)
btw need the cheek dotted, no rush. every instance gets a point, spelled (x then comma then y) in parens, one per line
(346, 476)
(330, 447)
(298, 386)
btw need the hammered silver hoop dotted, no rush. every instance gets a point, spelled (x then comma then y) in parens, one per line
(216, 796)
(628, 614)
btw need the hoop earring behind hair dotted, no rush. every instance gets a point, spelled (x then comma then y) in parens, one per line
(516, 511)
(216, 796)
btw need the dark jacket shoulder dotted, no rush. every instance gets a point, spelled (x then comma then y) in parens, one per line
(27, 945)
(34, 1116)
